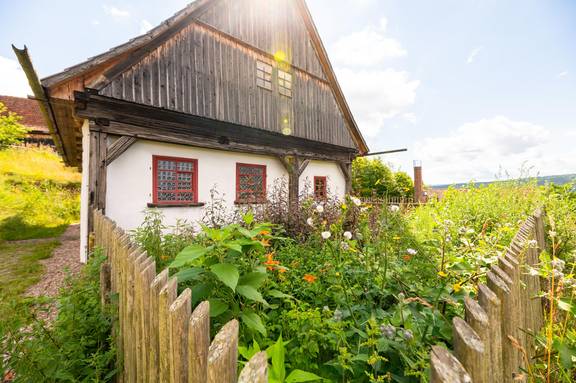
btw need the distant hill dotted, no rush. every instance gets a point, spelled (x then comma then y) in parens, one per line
(558, 180)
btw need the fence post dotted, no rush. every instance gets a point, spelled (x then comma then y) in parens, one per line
(154, 353)
(199, 343)
(167, 296)
(179, 316)
(470, 350)
(445, 368)
(223, 355)
(491, 305)
(256, 371)
(104, 284)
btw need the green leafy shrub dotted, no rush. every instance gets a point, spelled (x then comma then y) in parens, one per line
(77, 347)
(11, 131)
(372, 178)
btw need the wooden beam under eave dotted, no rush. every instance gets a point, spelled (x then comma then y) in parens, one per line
(346, 168)
(42, 98)
(119, 146)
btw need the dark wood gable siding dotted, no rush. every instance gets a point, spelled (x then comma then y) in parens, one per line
(270, 25)
(202, 72)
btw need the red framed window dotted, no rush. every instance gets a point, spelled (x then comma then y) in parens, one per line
(320, 187)
(250, 183)
(175, 180)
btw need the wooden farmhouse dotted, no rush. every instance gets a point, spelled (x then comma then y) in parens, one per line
(226, 94)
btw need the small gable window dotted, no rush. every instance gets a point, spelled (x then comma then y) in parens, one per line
(264, 75)
(175, 180)
(250, 183)
(284, 83)
(320, 188)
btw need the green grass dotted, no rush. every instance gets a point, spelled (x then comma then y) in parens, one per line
(39, 195)
(20, 266)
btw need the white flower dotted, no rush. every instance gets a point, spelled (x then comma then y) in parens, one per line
(411, 251)
(347, 235)
(310, 221)
(356, 201)
(532, 243)
(447, 222)
(320, 209)
(394, 208)
(470, 231)
(345, 246)
(533, 272)
(326, 234)
(558, 264)
(552, 233)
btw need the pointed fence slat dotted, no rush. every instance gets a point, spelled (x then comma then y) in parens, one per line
(199, 343)
(223, 355)
(501, 325)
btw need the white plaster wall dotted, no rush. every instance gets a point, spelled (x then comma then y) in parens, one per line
(336, 183)
(129, 180)
(84, 192)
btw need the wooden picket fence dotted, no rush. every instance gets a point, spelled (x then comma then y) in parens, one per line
(158, 337)
(494, 343)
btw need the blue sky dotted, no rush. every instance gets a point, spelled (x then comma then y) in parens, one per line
(476, 89)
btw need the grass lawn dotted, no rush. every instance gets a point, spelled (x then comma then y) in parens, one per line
(20, 268)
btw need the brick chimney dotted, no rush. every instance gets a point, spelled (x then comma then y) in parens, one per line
(418, 184)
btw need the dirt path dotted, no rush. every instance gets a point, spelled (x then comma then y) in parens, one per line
(64, 260)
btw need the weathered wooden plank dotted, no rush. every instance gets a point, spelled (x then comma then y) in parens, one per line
(256, 370)
(470, 350)
(167, 297)
(491, 305)
(179, 313)
(223, 355)
(199, 343)
(154, 353)
(445, 368)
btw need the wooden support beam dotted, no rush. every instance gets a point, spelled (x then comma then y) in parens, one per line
(119, 146)
(346, 167)
(293, 166)
(97, 171)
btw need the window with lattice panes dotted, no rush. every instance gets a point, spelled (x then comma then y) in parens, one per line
(264, 75)
(250, 183)
(175, 180)
(284, 83)
(320, 187)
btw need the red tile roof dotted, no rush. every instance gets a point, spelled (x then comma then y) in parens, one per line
(29, 111)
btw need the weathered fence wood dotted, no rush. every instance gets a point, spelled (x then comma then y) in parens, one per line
(179, 317)
(470, 351)
(256, 371)
(500, 326)
(445, 368)
(157, 336)
(223, 355)
(199, 343)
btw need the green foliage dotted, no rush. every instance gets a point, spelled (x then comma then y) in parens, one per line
(372, 178)
(77, 347)
(20, 266)
(39, 196)
(11, 131)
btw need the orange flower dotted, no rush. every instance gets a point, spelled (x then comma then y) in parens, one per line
(265, 232)
(265, 242)
(407, 258)
(309, 278)
(270, 262)
(281, 270)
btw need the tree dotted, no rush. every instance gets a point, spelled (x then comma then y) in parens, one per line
(371, 177)
(11, 131)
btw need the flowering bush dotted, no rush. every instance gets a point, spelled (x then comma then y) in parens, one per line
(359, 293)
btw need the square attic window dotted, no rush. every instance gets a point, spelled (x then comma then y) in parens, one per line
(284, 83)
(263, 75)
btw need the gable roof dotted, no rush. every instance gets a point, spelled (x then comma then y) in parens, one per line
(29, 110)
(100, 70)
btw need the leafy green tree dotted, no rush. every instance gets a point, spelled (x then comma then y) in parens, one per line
(371, 177)
(11, 131)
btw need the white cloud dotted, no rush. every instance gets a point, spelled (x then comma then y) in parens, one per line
(473, 54)
(115, 12)
(13, 81)
(377, 95)
(563, 74)
(95, 22)
(145, 26)
(480, 150)
(367, 47)
(410, 117)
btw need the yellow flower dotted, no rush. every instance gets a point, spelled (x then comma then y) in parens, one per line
(442, 274)
(396, 238)
(457, 287)
(344, 206)
(337, 274)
